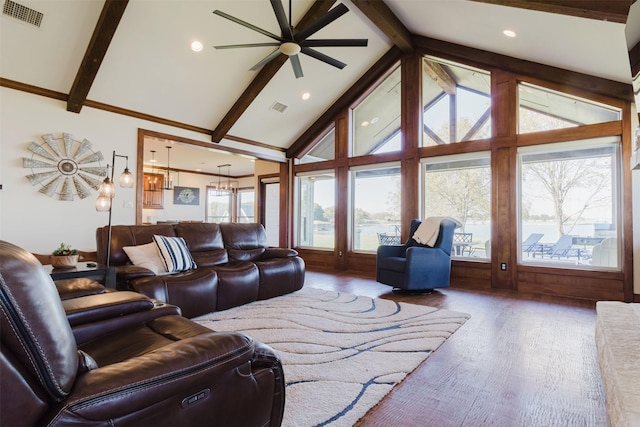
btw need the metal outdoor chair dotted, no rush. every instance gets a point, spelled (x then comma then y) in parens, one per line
(388, 239)
(462, 243)
(531, 244)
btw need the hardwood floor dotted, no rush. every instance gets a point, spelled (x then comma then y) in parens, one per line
(520, 360)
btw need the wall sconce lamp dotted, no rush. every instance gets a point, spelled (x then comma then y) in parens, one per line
(107, 192)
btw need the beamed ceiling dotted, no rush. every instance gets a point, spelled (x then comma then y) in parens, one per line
(133, 57)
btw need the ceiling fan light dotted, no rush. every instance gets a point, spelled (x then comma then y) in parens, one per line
(289, 48)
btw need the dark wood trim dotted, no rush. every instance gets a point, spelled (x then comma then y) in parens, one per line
(143, 116)
(140, 175)
(367, 81)
(261, 156)
(411, 129)
(634, 59)
(103, 33)
(610, 10)
(570, 134)
(35, 90)
(283, 212)
(342, 237)
(254, 143)
(626, 216)
(490, 60)
(264, 76)
(387, 22)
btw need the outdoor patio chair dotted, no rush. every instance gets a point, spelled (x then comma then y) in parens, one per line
(531, 244)
(388, 239)
(462, 243)
(564, 248)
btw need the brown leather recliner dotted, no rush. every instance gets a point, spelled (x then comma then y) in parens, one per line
(162, 371)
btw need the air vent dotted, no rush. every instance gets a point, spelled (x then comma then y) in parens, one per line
(23, 13)
(279, 107)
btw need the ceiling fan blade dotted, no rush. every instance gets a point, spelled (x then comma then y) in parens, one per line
(335, 42)
(297, 68)
(328, 18)
(233, 46)
(265, 60)
(285, 28)
(322, 57)
(247, 25)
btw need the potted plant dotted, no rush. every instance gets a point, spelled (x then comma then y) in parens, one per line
(64, 256)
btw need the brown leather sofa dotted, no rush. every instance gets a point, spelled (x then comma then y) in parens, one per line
(235, 265)
(129, 361)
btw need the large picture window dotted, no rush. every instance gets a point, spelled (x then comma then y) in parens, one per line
(376, 199)
(460, 187)
(541, 109)
(246, 205)
(219, 205)
(376, 120)
(316, 210)
(569, 204)
(456, 103)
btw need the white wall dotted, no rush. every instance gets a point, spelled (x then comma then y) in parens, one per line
(39, 223)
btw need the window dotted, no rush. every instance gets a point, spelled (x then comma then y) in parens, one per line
(460, 187)
(456, 103)
(316, 210)
(542, 109)
(323, 150)
(569, 204)
(376, 120)
(246, 205)
(375, 210)
(219, 205)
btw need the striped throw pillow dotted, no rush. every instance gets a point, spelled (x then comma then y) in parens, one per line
(175, 254)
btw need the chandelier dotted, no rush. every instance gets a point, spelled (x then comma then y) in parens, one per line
(222, 188)
(168, 178)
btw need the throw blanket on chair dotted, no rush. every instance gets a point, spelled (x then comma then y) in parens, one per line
(428, 231)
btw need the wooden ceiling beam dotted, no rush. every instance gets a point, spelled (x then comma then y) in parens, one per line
(387, 22)
(266, 73)
(439, 75)
(610, 10)
(103, 33)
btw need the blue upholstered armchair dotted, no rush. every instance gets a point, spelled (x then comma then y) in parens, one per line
(416, 267)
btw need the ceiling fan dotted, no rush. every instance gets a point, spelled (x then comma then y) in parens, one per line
(292, 43)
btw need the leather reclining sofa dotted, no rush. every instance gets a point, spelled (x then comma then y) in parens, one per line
(122, 359)
(235, 266)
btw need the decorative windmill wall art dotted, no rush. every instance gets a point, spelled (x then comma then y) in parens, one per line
(65, 167)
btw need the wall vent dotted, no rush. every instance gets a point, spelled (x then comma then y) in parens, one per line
(279, 107)
(23, 13)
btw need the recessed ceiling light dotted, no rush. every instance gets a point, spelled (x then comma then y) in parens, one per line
(374, 120)
(306, 96)
(196, 46)
(364, 124)
(509, 33)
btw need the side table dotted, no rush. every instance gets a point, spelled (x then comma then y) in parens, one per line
(107, 275)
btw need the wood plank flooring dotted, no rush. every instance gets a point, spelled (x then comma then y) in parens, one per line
(520, 360)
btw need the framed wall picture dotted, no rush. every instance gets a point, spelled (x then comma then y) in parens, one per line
(186, 196)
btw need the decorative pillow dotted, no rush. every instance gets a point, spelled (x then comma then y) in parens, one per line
(146, 256)
(174, 253)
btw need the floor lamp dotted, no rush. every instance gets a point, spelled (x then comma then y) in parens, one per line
(107, 192)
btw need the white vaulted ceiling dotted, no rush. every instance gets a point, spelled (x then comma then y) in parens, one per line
(150, 68)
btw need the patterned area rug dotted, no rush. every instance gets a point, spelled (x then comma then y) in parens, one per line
(341, 353)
